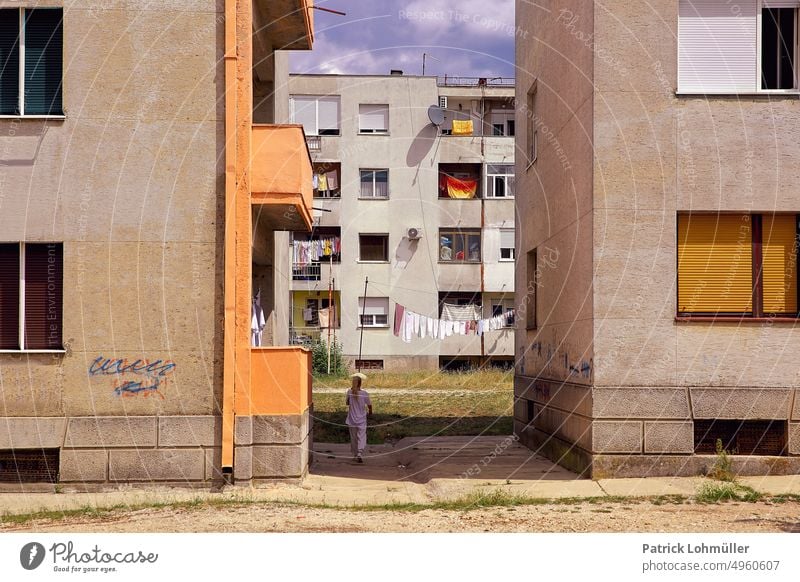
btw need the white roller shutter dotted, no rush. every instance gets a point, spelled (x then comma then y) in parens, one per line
(328, 113)
(781, 3)
(717, 46)
(506, 238)
(304, 111)
(375, 306)
(373, 117)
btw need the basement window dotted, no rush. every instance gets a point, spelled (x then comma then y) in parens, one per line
(741, 437)
(29, 466)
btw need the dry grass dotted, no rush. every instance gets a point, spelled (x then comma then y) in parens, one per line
(426, 403)
(427, 380)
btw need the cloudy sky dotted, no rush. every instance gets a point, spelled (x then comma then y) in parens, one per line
(471, 38)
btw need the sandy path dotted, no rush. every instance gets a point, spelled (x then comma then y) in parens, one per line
(585, 517)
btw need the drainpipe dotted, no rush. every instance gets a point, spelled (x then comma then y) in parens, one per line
(229, 362)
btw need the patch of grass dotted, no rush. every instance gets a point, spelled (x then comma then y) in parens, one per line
(726, 491)
(669, 500)
(428, 380)
(440, 412)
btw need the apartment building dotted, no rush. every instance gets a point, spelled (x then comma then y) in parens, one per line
(407, 212)
(658, 256)
(143, 178)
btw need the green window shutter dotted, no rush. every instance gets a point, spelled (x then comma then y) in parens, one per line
(43, 61)
(9, 61)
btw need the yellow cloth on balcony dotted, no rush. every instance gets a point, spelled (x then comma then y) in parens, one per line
(462, 127)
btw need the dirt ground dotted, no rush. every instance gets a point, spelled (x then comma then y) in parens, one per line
(583, 517)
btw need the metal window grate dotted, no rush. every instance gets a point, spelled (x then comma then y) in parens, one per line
(29, 466)
(369, 364)
(741, 437)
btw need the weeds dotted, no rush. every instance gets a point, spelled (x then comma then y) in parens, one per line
(721, 471)
(726, 491)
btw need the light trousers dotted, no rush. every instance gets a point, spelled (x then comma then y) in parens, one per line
(358, 439)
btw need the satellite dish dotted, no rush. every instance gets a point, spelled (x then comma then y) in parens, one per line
(436, 115)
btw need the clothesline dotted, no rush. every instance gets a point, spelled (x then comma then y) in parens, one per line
(310, 251)
(409, 324)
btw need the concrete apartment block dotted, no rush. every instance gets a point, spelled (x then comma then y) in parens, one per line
(127, 179)
(622, 144)
(412, 273)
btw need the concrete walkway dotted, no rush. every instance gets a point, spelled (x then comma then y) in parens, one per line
(414, 470)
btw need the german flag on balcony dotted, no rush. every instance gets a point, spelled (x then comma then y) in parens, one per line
(461, 188)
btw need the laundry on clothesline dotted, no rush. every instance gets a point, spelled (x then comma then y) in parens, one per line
(409, 324)
(312, 251)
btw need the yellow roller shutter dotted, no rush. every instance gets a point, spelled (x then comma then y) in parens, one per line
(715, 258)
(779, 266)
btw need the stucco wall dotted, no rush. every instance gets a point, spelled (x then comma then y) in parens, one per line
(131, 182)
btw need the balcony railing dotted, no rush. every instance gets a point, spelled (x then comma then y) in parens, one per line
(448, 81)
(306, 272)
(314, 143)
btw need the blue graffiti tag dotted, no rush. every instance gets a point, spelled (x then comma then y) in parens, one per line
(156, 372)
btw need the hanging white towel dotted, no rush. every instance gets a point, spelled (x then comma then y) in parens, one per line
(408, 326)
(423, 326)
(431, 326)
(415, 317)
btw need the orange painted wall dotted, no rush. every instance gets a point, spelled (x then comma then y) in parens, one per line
(280, 382)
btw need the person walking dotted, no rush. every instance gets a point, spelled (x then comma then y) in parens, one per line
(359, 408)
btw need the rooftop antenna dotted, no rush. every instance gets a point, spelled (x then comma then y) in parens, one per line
(426, 56)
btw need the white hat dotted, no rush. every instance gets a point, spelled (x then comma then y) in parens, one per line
(359, 375)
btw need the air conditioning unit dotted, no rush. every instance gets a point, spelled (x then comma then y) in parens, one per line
(443, 101)
(414, 233)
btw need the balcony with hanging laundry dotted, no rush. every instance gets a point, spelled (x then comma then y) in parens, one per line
(315, 257)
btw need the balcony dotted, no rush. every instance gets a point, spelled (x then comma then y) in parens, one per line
(289, 24)
(281, 176)
(280, 382)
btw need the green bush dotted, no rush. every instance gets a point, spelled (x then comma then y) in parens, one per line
(319, 358)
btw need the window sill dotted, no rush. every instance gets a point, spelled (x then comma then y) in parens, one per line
(374, 133)
(734, 319)
(53, 117)
(373, 262)
(459, 262)
(461, 199)
(794, 93)
(499, 198)
(372, 326)
(506, 260)
(33, 351)
(384, 198)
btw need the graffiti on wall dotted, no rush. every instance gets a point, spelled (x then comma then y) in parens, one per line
(561, 358)
(134, 378)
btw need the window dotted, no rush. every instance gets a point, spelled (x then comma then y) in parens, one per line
(374, 184)
(369, 364)
(531, 291)
(778, 42)
(738, 265)
(373, 311)
(460, 245)
(503, 307)
(507, 252)
(318, 115)
(373, 118)
(532, 136)
(499, 181)
(31, 54)
(31, 292)
(373, 247)
(718, 46)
